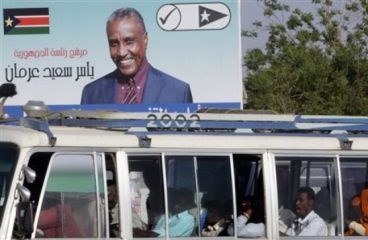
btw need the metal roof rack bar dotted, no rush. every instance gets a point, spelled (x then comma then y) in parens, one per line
(206, 124)
(105, 114)
(209, 121)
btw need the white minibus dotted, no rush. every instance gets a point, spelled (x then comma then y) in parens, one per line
(108, 174)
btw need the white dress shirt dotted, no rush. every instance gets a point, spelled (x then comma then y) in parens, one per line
(310, 225)
(245, 229)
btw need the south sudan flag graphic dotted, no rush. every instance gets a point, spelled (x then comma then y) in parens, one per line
(26, 21)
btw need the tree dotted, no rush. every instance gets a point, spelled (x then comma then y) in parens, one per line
(314, 62)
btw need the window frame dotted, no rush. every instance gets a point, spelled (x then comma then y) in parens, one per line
(93, 155)
(268, 176)
(335, 156)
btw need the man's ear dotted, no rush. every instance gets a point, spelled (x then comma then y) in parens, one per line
(145, 39)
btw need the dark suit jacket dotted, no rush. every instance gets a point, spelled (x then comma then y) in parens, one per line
(160, 88)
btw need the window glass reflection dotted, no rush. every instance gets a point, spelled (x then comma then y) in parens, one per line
(69, 207)
(307, 196)
(354, 178)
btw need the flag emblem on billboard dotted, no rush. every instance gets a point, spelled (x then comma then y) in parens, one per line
(26, 21)
(208, 15)
(193, 16)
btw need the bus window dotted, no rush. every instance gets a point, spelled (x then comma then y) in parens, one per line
(113, 196)
(215, 195)
(250, 197)
(102, 194)
(147, 195)
(307, 196)
(206, 183)
(70, 205)
(354, 178)
(199, 195)
(182, 197)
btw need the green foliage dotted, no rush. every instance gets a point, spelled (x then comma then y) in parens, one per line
(313, 62)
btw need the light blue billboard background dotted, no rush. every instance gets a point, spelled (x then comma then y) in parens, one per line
(209, 60)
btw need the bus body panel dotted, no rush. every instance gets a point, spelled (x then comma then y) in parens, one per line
(263, 156)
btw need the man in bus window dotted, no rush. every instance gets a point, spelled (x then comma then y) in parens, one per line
(250, 222)
(113, 209)
(181, 221)
(307, 223)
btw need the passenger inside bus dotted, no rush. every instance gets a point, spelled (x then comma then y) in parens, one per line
(139, 193)
(181, 222)
(217, 219)
(113, 209)
(359, 226)
(307, 223)
(250, 221)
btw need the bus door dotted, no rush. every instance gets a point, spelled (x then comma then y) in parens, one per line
(69, 195)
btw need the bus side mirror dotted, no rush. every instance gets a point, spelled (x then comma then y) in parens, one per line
(25, 218)
(24, 193)
(29, 173)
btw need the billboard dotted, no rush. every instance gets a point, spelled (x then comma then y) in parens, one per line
(52, 49)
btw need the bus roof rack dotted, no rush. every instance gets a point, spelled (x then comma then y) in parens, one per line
(237, 111)
(140, 123)
(209, 120)
(192, 122)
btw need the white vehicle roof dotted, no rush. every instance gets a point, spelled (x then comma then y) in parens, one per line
(77, 128)
(67, 136)
(76, 136)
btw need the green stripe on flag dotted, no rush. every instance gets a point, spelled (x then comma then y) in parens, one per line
(29, 30)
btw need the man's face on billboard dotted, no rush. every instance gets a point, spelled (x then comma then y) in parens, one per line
(127, 43)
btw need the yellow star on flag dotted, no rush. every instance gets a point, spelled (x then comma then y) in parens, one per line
(9, 22)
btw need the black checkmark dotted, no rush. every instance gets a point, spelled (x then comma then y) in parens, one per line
(163, 20)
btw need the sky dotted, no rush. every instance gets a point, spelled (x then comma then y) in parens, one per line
(251, 10)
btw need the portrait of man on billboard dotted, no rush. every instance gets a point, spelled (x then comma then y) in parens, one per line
(134, 80)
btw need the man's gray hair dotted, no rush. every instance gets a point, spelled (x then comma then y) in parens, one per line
(122, 13)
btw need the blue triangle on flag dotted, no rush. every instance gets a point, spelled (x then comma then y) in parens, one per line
(9, 22)
(207, 15)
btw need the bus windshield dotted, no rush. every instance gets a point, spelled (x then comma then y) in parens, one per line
(8, 158)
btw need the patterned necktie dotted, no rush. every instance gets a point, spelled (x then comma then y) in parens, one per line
(297, 227)
(131, 94)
